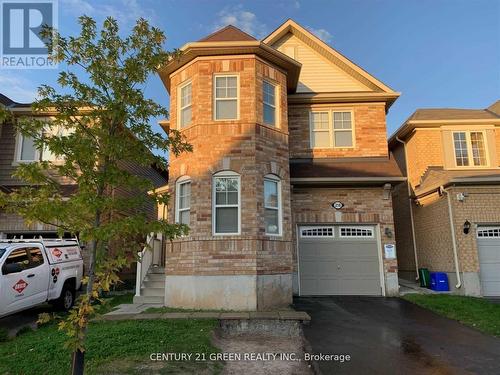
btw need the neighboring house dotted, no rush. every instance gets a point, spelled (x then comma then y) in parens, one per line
(16, 149)
(452, 160)
(283, 130)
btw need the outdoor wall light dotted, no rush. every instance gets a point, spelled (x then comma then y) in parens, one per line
(466, 226)
(388, 232)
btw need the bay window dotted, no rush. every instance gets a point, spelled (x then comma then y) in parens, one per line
(269, 103)
(226, 97)
(272, 205)
(185, 107)
(183, 201)
(226, 203)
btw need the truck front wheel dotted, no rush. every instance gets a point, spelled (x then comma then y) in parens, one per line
(67, 298)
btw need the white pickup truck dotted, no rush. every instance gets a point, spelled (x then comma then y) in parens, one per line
(39, 270)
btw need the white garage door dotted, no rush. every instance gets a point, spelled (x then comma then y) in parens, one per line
(488, 245)
(339, 260)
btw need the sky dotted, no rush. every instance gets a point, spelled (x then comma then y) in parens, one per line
(437, 53)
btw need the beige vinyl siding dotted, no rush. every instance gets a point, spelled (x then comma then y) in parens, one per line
(317, 73)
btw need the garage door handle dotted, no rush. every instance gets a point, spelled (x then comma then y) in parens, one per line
(338, 267)
(31, 275)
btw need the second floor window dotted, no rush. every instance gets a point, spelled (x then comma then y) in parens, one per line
(332, 129)
(26, 149)
(226, 97)
(185, 112)
(183, 204)
(470, 149)
(269, 103)
(342, 129)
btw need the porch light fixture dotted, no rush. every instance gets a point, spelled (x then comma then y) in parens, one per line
(467, 227)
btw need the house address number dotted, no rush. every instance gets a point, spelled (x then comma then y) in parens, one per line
(337, 205)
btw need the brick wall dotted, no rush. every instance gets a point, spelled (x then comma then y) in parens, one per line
(369, 130)
(433, 234)
(361, 205)
(481, 206)
(245, 146)
(424, 149)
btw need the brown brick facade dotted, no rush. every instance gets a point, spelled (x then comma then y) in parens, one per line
(244, 146)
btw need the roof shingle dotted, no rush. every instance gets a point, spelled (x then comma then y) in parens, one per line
(229, 33)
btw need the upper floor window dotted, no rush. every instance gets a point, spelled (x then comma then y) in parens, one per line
(332, 129)
(470, 148)
(226, 97)
(226, 197)
(342, 129)
(26, 149)
(320, 129)
(185, 107)
(183, 201)
(272, 205)
(269, 103)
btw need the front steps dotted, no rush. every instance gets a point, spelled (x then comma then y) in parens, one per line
(153, 287)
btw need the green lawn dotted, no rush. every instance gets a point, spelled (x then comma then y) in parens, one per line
(477, 313)
(122, 347)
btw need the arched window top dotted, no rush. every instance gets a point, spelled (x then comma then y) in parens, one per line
(227, 172)
(183, 178)
(272, 176)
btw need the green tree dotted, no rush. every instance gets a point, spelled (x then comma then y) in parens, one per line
(99, 123)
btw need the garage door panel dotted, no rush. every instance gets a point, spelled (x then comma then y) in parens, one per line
(339, 266)
(488, 245)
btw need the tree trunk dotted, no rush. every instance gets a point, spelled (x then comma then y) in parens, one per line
(78, 360)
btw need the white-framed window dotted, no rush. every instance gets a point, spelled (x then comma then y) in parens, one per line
(356, 231)
(342, 129)
(226, 97)
(183, 200)
(269, 103)
(26, 150)
(332, 128)
(185, 105)
(226, 214)
(320, 130)
(316, 232)
(488, 232)
(470, 149)
(272, 205)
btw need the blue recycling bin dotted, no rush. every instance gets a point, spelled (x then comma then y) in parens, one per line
(439, 282)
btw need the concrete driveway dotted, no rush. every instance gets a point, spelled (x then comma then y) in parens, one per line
(393, 336)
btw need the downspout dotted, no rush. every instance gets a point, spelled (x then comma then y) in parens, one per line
(412, 222)
(453, 239)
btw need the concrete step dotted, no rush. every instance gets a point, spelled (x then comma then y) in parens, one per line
(157, 270)
(153, 284)
(156, 292)
(155, 277)
(149, 299)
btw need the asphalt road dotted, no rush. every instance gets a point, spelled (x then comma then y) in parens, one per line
(393, 336)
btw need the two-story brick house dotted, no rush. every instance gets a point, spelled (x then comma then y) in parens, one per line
(448, 213)
(288, 187)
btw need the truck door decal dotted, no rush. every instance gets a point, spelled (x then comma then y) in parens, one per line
(20, 286)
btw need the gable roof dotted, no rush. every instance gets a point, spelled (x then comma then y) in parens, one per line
(435, 117)
(329, 53)
(229, 33)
